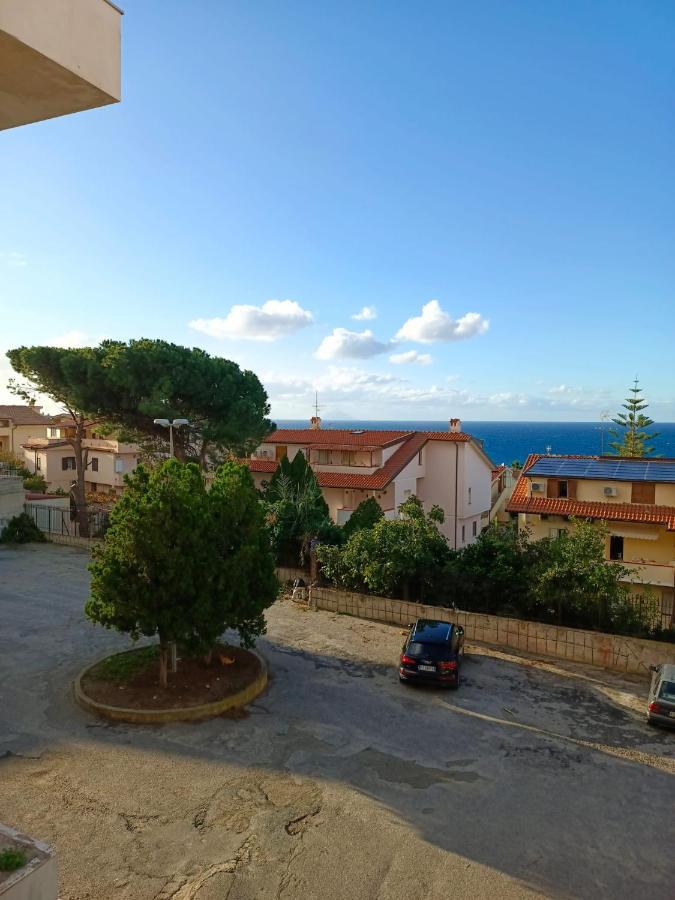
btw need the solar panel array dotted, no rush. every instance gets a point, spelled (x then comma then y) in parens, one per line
(606, 469)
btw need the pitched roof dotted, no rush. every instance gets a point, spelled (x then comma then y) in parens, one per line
(324, 437)
(647, 514)
(411, 443)
(24, 414)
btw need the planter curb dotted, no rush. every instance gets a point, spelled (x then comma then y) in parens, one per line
(163, 716)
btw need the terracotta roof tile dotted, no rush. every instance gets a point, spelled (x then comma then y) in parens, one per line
(24, 415)
(522, 502)
(324, 437)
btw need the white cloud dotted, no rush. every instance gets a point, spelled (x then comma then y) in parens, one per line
(367, 314)
(75, 338)
(274, 319)
(13, 259)
(434, 324)
(345, 344)
(410, 356)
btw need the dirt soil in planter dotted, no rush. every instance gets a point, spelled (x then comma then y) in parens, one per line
(194, 683)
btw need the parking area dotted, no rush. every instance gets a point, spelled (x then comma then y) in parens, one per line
(534, 779)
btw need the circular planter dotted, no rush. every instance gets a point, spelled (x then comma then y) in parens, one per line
(179, 714)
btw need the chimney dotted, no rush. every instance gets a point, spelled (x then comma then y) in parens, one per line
(455, 425)
(315, 423)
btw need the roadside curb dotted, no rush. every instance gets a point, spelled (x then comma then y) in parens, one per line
(163, 716)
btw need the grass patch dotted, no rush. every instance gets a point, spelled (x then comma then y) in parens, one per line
(124, 666)
(12, 859)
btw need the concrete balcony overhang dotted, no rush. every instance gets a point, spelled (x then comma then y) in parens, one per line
(57, 57)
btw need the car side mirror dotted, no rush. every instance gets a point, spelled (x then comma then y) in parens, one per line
(459, 628)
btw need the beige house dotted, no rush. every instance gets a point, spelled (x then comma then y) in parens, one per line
(107, 460)
(449, 469)
(635, 498)
(19, 424)
(57, 57)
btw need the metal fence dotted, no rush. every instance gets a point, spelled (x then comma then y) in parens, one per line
(67, 522)
(7, 470)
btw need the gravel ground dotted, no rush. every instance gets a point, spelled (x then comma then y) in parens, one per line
(535, 779)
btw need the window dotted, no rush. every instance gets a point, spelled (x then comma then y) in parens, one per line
(615, 546)
(323, 457)
(557, 532)
(38, 462)
(347, 457)
(561, 488)
(94, 464)
(67, 462)
(643, 492)
(474, 528)
(463, 533)
(419, 457)
(119, 465)
(469, 496)
(52, 432)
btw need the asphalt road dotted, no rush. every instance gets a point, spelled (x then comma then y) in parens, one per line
(534, 779)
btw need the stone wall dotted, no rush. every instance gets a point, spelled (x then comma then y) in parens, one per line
(288, 573)
(610, 651)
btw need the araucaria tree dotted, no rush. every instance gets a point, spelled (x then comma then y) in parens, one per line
(632, 440)
(184, 563)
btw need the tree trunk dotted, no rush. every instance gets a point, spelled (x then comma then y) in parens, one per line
(163, 663)
(80, 470)
(208, 657)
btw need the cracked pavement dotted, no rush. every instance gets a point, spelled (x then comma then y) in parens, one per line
(536, 779)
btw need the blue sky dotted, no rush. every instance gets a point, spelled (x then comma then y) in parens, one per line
(493, 182)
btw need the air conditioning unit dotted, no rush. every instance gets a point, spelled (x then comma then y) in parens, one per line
(610, 492)
(537, 487)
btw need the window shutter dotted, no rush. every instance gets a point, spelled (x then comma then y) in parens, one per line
(572, 490)
(64, 463)
(643, 492)
(552, 488)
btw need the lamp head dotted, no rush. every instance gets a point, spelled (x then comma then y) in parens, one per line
(164, 422)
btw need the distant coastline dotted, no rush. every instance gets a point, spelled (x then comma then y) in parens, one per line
(507, 441)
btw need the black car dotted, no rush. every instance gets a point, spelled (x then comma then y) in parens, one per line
(433, 653)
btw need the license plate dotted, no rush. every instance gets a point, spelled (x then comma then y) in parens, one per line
(427, 668)
(671, 713)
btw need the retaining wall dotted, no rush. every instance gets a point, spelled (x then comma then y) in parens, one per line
(611, 651)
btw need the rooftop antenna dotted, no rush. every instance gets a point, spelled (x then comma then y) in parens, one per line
(316, 404)
(548, 449)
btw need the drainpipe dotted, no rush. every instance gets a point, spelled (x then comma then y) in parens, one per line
(456, 470)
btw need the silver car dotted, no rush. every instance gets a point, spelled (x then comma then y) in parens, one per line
(661, 710)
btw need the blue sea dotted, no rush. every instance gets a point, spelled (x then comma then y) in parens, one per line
(505, 442)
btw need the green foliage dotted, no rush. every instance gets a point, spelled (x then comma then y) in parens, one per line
(296, 511)
(35, 483)
(146, 379)
(21, 530)
(181, 562)
(123, 666)
(12, 858)
(366, 514)
(493, 569)
(396, 557)
(632, 440)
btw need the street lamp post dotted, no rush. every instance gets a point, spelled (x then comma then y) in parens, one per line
(165, 423)
(177, 423)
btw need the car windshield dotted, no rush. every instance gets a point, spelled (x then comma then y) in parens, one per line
(667, 691)
(429, 651)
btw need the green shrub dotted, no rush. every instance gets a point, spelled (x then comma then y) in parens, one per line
(35, 483)
(21, 530)
(12, 858)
